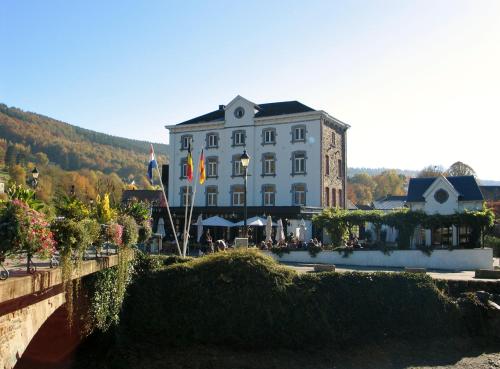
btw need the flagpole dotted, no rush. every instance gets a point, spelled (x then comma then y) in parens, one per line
(192, 202)
(166, 202)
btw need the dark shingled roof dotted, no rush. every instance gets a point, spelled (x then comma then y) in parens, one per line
(264, 110)
(466, 186)
(490, 193)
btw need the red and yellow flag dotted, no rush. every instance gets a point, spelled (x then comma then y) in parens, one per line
(189, 170)
(201, 168)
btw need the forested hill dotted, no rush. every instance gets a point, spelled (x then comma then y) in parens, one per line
(70, 147)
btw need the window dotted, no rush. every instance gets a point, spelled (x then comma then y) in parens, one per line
(341, 199)
(185, 195)
(334, 197)
(212, 167)
(268, 195)
(183, 168)
(298, 162)
(299, 194)
(237, 167)
(268, 136)
(212, 140)
(185, 141)
(239, 112)
(211, 195)
(298, 133)
(327, 197)
(333, 139)
(237, 195)
(327, 165)
(268, 164)
(341, 170)
(239, 138)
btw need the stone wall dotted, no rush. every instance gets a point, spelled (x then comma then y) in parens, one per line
(333, 143)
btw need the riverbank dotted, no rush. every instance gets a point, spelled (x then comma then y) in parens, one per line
(454, 353)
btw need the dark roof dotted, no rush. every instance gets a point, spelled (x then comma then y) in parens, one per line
(392, 198)
(364, 207)
(281, 108)
(151, 196)
(466, 186)
(264, 110)
(490, 193)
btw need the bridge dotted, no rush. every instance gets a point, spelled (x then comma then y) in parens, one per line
(27, 302)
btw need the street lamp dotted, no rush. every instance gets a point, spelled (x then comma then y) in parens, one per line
(34, 174)
(245, 160)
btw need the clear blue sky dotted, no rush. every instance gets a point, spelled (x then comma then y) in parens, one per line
(418, 81)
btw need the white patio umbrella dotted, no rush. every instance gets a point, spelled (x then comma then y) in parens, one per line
(280, 234)
(199, 228)
(302, 231)
(269, 228)
(161, 227)
(216, 221)
(254, 222)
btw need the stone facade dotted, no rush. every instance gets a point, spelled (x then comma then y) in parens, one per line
(333, 169)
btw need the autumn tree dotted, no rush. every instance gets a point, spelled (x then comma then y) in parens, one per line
(431, 171)
(17, 174)
(389, 182)
(460, 169)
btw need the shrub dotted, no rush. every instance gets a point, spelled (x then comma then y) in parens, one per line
(245, 299)
(130, 230)
(494, 243)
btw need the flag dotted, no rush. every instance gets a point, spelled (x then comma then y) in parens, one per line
(152, 164)
(201, 167)
(189, 170)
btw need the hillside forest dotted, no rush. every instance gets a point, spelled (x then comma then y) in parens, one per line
(70, 157)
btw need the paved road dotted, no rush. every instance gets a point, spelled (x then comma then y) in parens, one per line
(437, 274)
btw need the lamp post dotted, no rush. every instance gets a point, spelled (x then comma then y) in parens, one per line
(245, 160)
(34, 181)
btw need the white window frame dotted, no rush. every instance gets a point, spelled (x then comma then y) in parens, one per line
(301, 136)
(299, 164)
(185, 140)
(299, 195)
(238, 198)
(269, 165)
(212, 198)
(212, 168)
(269, 198)
(239, 138)
(238, 168)
(212, 140)
(269, 136)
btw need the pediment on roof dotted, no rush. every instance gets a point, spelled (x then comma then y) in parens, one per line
(443, 183)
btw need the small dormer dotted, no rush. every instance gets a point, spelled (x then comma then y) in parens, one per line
(441, 197)
(240, 112)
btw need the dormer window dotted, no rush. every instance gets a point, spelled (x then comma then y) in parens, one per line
(185, 141)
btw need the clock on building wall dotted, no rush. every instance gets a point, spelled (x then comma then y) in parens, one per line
(441, 196)
(239, 112)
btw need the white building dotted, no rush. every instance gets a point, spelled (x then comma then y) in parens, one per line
(444, 195)
(297, 166)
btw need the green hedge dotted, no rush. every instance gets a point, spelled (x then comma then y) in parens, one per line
(245, 299)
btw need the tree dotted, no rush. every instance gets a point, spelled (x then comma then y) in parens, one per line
(42, 158)
(389, 182)
(17, 174)
(460, 169)
(431, 171)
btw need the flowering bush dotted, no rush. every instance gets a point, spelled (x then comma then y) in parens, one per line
(23, 229)
(114, 233)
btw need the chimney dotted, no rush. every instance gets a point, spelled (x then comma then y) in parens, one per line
(222, 107)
